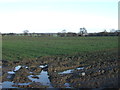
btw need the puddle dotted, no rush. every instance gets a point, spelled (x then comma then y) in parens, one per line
(17, 68)
(8, 84)
(31, 72)
(43, 78)
(67, 71)
(43, 66)
(11, 72)
(80, 68)
(70, 70)
(22, 83)
(10, 76)
(67, 85)
(25, 67)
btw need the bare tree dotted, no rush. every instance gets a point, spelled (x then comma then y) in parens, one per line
(64, 31)
(25, 32)
(83, 31)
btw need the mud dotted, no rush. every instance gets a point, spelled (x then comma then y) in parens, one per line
(96, 70)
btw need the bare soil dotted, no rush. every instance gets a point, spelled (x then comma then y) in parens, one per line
(100, 69)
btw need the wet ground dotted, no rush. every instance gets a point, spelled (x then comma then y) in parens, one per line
(97, 70)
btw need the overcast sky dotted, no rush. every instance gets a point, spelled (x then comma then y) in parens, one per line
(55, 15)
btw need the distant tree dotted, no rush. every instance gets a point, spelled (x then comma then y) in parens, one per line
(71, 34)
(112, 30)
(11, 34)
(105, 31)
(25, 32)
(83, 31)
(117, 30)
(64, 31)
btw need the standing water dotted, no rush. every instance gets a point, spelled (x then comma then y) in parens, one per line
(43, 78)
(7, 84)
(66, 72)
(70, 70)
(17, 68)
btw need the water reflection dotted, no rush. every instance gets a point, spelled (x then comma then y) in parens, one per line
(7, 84)
(43, 66)
(70, 70)
(17, 68)
(11, 72)
(67, 71)
(43, 78)
(80, 68)
(67, 85)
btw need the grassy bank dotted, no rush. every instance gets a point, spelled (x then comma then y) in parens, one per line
(20, 47)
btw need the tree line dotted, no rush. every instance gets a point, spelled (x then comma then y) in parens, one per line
(83, 32)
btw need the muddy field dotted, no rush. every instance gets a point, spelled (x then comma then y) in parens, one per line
(91, 70)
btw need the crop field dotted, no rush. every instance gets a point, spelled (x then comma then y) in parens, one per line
(20, 47)
(59, 62)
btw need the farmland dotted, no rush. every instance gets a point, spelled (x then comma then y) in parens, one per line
(18, 47)
(60, 62)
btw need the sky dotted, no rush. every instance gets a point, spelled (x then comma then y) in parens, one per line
(52, 16)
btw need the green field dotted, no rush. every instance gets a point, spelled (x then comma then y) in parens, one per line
(21, 47)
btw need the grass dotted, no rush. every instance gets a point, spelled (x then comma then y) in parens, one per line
(20, 47)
